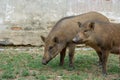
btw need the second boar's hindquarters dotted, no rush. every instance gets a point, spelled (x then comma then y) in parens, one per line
(104, 37)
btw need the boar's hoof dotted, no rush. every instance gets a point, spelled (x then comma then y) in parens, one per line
(71, 67)
(104, 74)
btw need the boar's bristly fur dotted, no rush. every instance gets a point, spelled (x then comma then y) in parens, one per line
(104, 37)
(61, 35)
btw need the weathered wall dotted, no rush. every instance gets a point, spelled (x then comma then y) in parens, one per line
(23, 21)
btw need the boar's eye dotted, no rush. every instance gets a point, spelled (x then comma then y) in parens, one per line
(50, 47)
(85, 30)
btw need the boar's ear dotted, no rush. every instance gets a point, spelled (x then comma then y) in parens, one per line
(55, 39)
(91, 25)
(79, 24)
(43, 38)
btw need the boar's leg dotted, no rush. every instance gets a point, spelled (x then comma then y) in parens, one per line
(105, 54)
(71, 48)
(62, 56)
(99, 53)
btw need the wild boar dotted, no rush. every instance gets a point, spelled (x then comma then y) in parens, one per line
(61, 35)
(104, 37)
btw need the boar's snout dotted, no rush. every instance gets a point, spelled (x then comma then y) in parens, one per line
(44, 62)
(76, 39)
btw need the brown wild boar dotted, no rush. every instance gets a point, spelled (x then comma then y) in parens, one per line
(104, 37)
(61, 35)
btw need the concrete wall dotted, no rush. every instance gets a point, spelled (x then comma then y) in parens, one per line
(23, 21)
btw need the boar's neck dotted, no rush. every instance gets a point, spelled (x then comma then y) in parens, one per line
(108, 35)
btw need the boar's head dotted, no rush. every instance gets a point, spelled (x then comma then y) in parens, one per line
(51, 48)
(85, 34)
